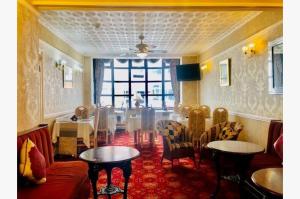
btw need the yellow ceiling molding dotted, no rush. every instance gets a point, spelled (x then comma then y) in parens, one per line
(163, 4)
(29, 6)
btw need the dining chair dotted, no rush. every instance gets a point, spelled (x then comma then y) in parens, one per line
(96, 124)
(220, 115)
(147, 125)
(103, 127)
(196, 126)
(186, 111)
(206, 110)
(82, 112)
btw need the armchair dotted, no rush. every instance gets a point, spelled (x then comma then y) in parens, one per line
(219, 132)
(177, 142)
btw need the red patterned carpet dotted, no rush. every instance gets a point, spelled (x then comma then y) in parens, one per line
(151, 180)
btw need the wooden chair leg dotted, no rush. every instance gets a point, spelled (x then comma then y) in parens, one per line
(172, 163)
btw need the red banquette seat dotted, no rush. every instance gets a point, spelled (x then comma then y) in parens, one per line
(67, 180)
(270, 158)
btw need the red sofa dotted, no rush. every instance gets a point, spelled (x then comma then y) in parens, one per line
(261, 161)
(67, 180)
(270, 158)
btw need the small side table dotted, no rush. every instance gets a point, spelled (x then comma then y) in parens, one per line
(107, 158)
(270, 180)
(239, 152)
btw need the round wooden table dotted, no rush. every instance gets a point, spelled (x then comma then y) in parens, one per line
(107, 158)
(269, 179)
(239, 152)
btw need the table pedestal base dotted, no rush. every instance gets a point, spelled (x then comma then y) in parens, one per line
(110, 190)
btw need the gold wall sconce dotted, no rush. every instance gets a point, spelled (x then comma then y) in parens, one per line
(249, 50)
(203, 67)
(60, 64)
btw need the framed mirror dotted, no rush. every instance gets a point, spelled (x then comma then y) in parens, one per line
(275, 62)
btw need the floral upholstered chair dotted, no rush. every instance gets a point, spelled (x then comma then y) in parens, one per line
(177, 141)
(221, 131)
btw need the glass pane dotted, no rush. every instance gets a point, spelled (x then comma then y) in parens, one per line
(154, 63)
(107, 64)
(155, 101)
(121, 63)
(155, 88)
(138, 88)
(121, 88)
(105, 100)
(154, 74)
(138, 63)
(169, 101)
(121, 74)
(137, 74)
(167, 74)
(121, 101)
(106, 89)
(168, 88)
(107, 74)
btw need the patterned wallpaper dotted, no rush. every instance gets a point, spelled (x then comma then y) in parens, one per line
(190, 89)
(56, 98)
(248, 93)
(28, 91)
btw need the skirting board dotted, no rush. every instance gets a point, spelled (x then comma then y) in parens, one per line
(253, 117)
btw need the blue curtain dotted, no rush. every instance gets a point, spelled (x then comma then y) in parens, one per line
(98, 66)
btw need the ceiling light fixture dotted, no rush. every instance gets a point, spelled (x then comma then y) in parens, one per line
(141, 55)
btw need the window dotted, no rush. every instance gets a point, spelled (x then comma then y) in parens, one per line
(149, 77)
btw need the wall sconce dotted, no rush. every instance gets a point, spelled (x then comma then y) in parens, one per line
(60, 64)
(203, 67)
(249, 50)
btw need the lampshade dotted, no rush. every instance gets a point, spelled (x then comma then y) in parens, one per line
(141, 55)
(137, 97)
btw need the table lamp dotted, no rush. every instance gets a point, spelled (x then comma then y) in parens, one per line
(138, 99)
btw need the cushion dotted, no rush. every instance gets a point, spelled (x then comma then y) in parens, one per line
(32, 163)
(278, 146)
(64, 180)
(227, 133)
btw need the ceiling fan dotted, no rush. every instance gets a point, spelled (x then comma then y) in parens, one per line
(142, 49)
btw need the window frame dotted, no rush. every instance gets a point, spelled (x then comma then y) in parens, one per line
(146, 82)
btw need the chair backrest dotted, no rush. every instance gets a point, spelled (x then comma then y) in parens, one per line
(206, 110)
(196, 123)
(275, 130)
(147, 119)
(195, 106)
(220, 115)
(82, 112)
(110, 108)
(186, 110)
(103, 118)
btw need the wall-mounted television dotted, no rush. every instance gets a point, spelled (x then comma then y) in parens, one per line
(188, 72)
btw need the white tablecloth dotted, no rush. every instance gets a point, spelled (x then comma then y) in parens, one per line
(84, 128)
(134, 123)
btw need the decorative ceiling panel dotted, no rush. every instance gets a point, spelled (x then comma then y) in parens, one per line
(112, 33)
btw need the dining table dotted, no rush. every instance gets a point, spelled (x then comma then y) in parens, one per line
(84, 128)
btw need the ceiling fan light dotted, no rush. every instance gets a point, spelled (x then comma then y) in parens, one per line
(141, 55)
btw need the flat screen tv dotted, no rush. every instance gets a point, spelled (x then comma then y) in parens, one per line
(188, 72)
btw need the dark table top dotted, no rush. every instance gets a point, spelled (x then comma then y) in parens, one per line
(109, 154)
(237, 147)
(269, 179)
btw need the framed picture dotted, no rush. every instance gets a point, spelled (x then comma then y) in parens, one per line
(68, 77)
(224, 67)
(275, 61)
